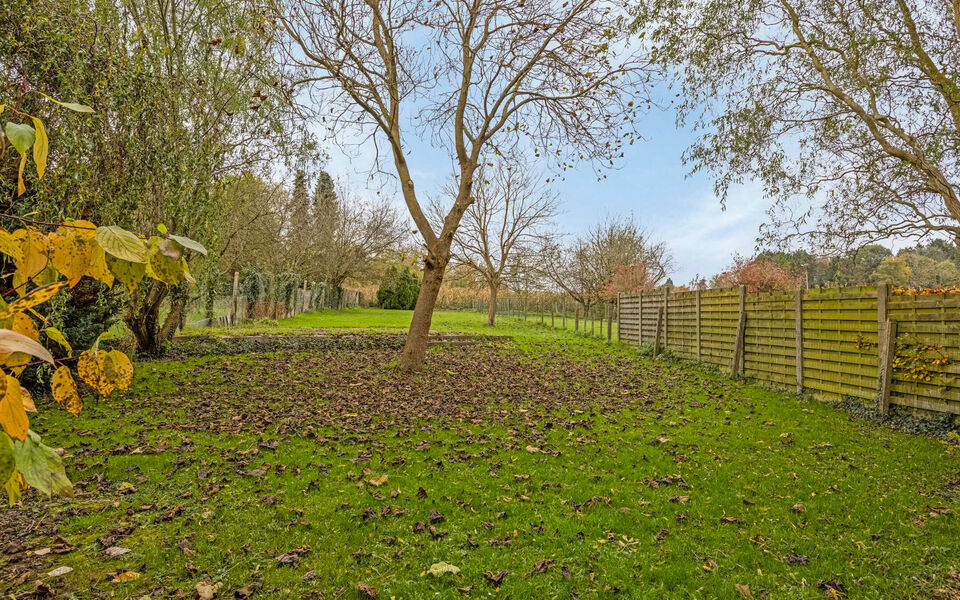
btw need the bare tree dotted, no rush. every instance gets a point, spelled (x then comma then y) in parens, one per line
(508, 217)
(585, 268)
(354, 234)
(848, 111)
(474, 77)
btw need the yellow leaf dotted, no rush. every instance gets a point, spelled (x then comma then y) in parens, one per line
(97, 267)
(71, 256)
(33, 255)
(17, 362)
(35, 297)
(13, 417)
(40, 147)
(9, 245)
(57, 336)
(24, 325)
(162, 267)
(65, 391)
(128, 273)
(27, 399)
(14, 487)
(21, 187)
(116, 370)
(89, 369)
(126, 576)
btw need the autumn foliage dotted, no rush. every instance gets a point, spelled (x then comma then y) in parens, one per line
(759, 275)
(628, 279)
(43, 266)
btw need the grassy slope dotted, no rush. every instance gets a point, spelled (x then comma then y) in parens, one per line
(876, 501)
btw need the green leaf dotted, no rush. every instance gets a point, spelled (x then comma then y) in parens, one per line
(121, 243)
(7, 461)
(162, 229)
(21, 136)
(41, 467)
(71, 105)
(106, 336)
(83, 108)
(188, 243)
(57, 336)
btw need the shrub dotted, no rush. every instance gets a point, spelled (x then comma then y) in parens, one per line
(398, 290)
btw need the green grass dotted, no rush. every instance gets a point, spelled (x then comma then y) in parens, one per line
(378, 320)
(552, 446)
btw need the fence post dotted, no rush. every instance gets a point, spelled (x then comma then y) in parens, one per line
(666, 314)
(553, 314)
(576, 318)
(736, 365)
(235, 299)
(609, 311)
(798, 321)
(540, 305)
(640, 318)
(656, 335)
(303, 297)
(619, 337)
(887, 346)
(698, 323)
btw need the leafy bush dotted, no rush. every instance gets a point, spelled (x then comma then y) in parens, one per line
(398, 290)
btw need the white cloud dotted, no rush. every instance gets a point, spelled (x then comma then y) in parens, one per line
(706, 236)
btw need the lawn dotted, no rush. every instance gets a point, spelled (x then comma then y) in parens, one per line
(375, 320)
(546, 465)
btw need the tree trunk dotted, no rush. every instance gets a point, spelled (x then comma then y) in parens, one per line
(415, 349)
(143, 317)
(492, 306)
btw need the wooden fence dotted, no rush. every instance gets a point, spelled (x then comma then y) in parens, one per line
(859, 342)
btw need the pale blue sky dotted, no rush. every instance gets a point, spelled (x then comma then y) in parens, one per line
(650, 183)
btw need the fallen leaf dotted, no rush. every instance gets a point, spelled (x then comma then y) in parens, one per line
(743, 589)
(496, 578)
(378, 481)
(206, 591)
(126, 576)
(441, 568)
(369, 590)
(59, 571)
(543, 564)
(116, 551)
(796, 559)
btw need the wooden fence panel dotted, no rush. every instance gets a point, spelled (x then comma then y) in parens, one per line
(835, 331)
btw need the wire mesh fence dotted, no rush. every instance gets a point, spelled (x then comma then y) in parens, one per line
(598, 319)
(253, 296)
